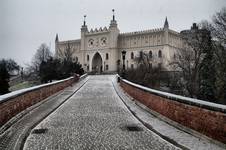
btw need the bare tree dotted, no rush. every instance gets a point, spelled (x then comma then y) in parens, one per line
(188, 61)
(67, 53)
(219, 25)
(218, 30)
(42, 54)
(144, 61)
(144, 73)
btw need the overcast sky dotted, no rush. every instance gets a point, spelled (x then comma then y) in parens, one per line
(25, 24)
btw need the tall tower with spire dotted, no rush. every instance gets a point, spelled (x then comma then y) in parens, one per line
(113, 21)
(113, 28)
(84, 30)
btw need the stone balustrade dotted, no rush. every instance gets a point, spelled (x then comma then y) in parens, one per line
(15, 102)
(206, 118)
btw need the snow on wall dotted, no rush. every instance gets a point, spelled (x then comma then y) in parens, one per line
(22, 91)
(183, 99)
(206, 118)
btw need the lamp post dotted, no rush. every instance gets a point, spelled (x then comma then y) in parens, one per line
(123, 62)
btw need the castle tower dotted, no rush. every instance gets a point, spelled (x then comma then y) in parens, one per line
(113, 28)
(84, 29)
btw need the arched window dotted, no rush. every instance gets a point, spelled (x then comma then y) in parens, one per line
(132, 55)
(106, 67)
(150, 54)
(160, 54)
(141, 54)
(160, 65)
(106, 56)
(87, 57)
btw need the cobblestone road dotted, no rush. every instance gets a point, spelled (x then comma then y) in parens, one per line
(94, 118)
(13, 138)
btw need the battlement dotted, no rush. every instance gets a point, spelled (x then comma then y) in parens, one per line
(98, 31)
(142, 32)
(70, 42)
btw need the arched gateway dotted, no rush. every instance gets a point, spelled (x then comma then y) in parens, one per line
(97, 63)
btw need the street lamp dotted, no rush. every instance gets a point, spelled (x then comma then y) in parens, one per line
(123, 62)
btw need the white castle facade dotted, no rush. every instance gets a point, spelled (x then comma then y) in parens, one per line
(100, 50)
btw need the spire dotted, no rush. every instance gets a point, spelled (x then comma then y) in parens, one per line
(113, 21)
(84, 22)
(113, 12)
(166, 25)
(84, 26)
(57, 39)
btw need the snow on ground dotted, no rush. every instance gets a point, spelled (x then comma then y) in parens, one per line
(94, 118)
(181, 137)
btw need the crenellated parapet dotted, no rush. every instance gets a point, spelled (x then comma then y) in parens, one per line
(142, 32)
(97, 31)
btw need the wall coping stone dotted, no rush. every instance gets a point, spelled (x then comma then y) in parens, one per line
(179, 98)
(14, 94)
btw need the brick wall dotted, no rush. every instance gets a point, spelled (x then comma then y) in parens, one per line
(13, 103)
(207, 119)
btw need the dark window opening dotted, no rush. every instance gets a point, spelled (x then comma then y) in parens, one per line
(150, 54)
(160, 54)
(106, 56)
(132, 55)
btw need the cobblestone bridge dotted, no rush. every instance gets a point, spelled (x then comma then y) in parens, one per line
(95, 114)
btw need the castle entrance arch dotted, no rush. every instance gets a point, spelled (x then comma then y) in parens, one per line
(97, 63)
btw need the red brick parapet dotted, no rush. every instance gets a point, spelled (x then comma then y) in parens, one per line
(15, 102)
(205, 117)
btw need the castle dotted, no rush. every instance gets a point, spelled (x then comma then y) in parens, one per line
(100, 50)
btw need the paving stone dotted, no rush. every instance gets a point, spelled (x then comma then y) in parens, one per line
(94, 118)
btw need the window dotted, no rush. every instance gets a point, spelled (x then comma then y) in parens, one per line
(103, 41)
(132, 55)
(87, 57)
(160, 54)
(160, 65)
(174, 56)
(88, 68)
(131, 66)
(106, 67)
(150, 65)
(141, 54)
(91, 43)
(150, 54)
(106, 56)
